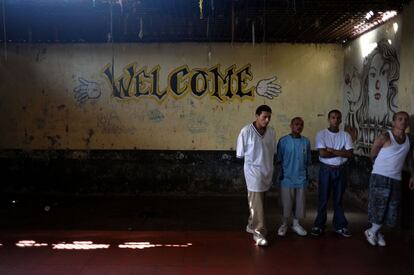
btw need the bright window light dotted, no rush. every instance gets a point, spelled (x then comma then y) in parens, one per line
(367, 43)
(80, 245)
(367, 25)
(30, 243)
(143, 245)
(369, 15)
(395, 26)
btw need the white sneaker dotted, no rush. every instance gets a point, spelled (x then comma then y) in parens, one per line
(380, 239)
(299, 230)
(249, 229)
(260, 240)
(282, 230)
(371, 238)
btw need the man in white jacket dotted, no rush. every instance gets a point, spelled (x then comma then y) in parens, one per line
(257, 145)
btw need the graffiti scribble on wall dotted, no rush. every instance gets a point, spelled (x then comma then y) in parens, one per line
(221, 85)
(371, 95)
(156, 116)
(197, 123)
(86, 90)
(112, 124)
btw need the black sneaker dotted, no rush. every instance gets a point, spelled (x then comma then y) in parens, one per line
(316, 231)
(344, 232)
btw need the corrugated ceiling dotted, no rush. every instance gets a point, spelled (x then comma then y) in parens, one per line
(293, 21)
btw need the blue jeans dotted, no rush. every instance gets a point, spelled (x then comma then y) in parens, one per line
(331, 178)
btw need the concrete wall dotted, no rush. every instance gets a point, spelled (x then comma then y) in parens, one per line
(406, 101)
(407, 65)
(160, 96)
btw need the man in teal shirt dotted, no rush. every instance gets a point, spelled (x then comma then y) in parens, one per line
(293, 153)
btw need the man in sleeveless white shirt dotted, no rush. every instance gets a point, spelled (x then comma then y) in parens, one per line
(335, 147)
(389, 152)
(257, 145)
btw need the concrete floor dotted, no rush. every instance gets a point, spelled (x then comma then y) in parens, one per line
(180, 235)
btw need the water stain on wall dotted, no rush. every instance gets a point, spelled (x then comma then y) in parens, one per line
(40, 123)
(155, 116)
(197, 124)
(89, 137)
(54, 141)
(221, 133)
(281, 118)
(27, 138)
(41, 55)
(112, 124)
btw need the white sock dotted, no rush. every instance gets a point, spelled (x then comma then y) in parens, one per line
(375, 228)
(295, 222)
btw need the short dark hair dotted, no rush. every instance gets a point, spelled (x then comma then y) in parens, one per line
(295, 118)
(334, 111)
(394, 116)
(263, 108)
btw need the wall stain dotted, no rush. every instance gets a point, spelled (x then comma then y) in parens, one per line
(282, 118)
(221, 133)
(112, 124)
(156, 116)
(40, 123)
(54, 140)
(179, 156)
(27, 138)
(197, 124)
(226, 157)
(45, 110)
(41, 55)
(89, 137)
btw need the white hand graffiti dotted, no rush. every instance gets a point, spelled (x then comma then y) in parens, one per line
(267, 88)
(86, 90)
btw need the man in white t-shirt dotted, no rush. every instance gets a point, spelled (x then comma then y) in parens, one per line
(335, 147)
(257, 145)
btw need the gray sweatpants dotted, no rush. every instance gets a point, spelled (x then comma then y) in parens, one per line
(293, 200)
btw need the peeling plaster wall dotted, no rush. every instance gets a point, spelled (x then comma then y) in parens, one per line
(406, 90)
(407, 65)
(58, 96)
(108, 172)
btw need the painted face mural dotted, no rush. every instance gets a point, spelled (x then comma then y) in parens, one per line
(371, 96)
(377, 78)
